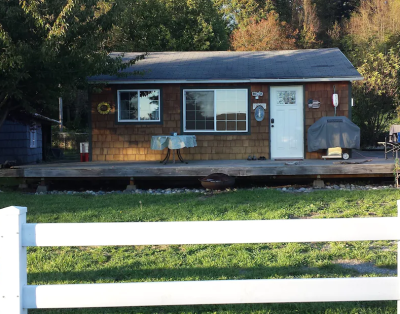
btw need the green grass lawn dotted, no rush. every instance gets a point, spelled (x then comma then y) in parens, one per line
(210, 262)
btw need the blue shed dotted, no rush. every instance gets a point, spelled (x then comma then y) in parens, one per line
(26, 143)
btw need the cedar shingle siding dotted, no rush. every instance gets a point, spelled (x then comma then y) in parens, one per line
(15, 143)
(130, 142)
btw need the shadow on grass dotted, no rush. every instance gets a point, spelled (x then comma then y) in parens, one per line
(243, 204)
(130, 273)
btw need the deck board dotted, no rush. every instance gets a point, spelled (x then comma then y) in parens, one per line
(238, 168)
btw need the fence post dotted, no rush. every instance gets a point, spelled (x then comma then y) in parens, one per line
(398, 257)
(13, 275)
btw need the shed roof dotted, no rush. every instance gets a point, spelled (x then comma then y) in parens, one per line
(237, 66)
(43, 118)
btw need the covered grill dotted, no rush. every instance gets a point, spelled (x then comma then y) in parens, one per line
(330, 132)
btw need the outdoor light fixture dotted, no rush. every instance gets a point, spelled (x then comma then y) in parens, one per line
(257, 94)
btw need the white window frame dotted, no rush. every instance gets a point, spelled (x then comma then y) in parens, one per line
(33, 137)
(138, 91)
(215, 110)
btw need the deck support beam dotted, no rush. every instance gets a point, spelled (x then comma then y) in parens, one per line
(318, 184)
(42, 187)
(196, 169)
(131, 186)
(23, 185)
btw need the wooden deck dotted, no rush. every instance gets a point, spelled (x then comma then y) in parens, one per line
(378, 167)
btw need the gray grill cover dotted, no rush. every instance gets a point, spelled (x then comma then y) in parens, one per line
(330, 132)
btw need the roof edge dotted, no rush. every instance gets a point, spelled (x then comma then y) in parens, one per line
(295, 80)
(41, 117)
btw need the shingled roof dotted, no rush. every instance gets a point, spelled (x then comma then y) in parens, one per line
(237, 66)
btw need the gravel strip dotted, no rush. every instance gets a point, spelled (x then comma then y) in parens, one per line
(286, 189)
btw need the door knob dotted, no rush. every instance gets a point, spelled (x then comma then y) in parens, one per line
(272, 120)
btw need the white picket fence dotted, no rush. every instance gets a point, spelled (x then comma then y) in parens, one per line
(17, 297)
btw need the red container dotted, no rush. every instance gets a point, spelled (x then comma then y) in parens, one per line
(84, 149)
(84, 157)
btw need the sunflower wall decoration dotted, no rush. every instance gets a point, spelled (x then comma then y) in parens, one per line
(104, 108)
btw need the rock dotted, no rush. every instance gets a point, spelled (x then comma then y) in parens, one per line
(318, 184)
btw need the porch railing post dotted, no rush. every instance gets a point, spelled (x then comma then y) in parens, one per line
(13, 275)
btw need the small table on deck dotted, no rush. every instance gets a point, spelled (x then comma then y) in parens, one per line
(172, 142)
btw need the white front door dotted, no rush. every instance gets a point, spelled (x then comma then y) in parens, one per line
(286, 122)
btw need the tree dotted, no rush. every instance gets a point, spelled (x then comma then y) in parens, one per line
(268, 34)
(330, 12)
(309, 25)
(241, 12)
(377, 97)
(371, 40)
(172, 25)
(49, 46)
(375, 25)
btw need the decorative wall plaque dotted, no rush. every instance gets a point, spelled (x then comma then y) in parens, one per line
(259, 113)
(313, 104)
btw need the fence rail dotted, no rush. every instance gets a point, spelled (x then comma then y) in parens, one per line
(17, 297)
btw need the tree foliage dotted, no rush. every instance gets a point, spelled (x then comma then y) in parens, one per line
(242, 12)
(48, 46)
(375, 25)
(309, 25)
(268, 34)
(295, 22)
(377, 97)
(334, 11)
(371, 40)
(172, 25)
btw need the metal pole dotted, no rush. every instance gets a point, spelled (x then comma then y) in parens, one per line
(60, 109)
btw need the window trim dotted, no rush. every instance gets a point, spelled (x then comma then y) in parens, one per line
(33, 138)
(214, 132)
(117, 116)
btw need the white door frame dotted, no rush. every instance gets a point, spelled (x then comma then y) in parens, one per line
(301, 151)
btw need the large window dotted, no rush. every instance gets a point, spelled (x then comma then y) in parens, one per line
(215, 110)
(139, 106)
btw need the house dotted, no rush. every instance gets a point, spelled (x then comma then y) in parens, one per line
(26, 139)
(237, 104)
